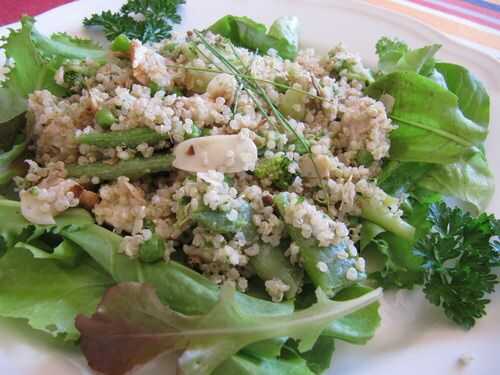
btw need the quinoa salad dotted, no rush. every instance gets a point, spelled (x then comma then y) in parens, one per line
(234, 197)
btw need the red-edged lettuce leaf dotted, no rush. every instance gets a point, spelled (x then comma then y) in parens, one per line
(131, 327)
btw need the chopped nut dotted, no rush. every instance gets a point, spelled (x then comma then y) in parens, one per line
(267, 200)
(77, 190)
(88, 199)
(190, 151)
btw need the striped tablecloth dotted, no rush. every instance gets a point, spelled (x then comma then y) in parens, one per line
(476, 22)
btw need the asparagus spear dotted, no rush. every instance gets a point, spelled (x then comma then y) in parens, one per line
(129, 138)
(133, 168)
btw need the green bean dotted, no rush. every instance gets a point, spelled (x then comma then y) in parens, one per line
(133, 168)
(126, 138)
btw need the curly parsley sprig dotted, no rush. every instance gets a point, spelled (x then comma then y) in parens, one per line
(459, 253)
(146, 20)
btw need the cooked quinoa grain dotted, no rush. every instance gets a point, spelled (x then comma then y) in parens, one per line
(158, 92)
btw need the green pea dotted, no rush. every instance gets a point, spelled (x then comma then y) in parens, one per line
(121, 44)
(105, 118)
(152, 250)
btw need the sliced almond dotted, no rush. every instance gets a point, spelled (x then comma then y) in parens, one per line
(223, 153)
(31, 209)
(311, 166)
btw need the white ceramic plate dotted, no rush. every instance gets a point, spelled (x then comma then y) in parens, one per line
(414, 337)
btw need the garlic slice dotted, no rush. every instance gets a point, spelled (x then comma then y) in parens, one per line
(223, 153)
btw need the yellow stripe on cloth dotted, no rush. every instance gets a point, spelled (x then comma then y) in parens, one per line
(443, 24)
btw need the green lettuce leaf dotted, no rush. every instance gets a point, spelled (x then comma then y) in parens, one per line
(183, 289)
(36, 59)
(248, 365)
(473, 99)
(7, 167)
(431, 126)
(244, 32)
(67, 253)
(399, 177)
(131, 316)
(318, 359)
(470, 179)
(396, 56)
(47, 294)
(359, 326)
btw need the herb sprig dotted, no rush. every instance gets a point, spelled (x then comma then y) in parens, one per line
(146, 20)
(459, 253)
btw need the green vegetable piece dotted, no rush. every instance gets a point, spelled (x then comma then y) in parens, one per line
(459, 253)
(380, 214)
(154, 88)
(121, 44)
(364, 157)
(7, 167)
(334, 279)
(275, 169)
(271, 262)
(402, 268)
(105, 118)
(152, 250)
(281, 85)
(195, 132)
(319, 358)
(158, 17)
(48, 294)
(251, 365)
(134, 168)
(219, 222)
(244, 32)
(400, 177)
(126, 138)
(431, 127)
(369, 231)
(300, 147)
(293, 104)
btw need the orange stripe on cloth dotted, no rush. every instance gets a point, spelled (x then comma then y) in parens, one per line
(443, 24)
